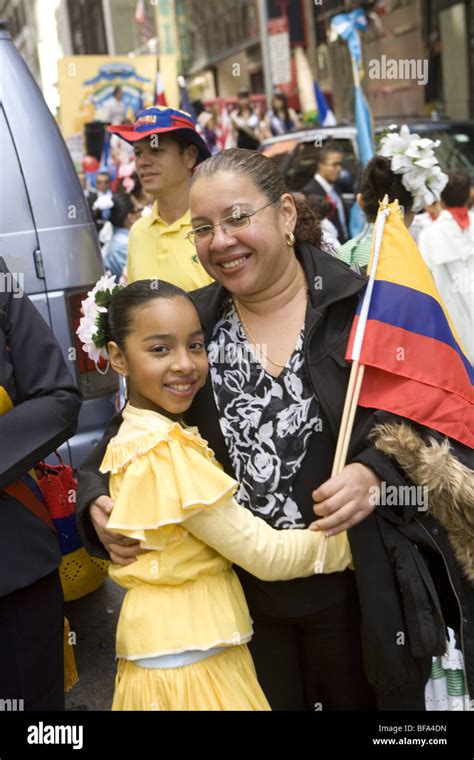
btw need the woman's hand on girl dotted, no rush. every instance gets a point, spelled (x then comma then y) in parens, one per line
(345, 499)
(122, 550)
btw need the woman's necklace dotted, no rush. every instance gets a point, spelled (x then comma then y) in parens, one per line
(249, 335)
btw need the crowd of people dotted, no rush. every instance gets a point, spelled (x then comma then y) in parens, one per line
(261, 386)
(247, 128)
(249, 125)
(322, 193)
(234, 365)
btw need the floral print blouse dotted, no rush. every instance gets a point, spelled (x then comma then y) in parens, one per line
(266, 422)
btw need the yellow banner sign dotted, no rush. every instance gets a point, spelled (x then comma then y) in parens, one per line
(86, 87)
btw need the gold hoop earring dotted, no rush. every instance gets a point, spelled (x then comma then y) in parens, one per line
(290, 240)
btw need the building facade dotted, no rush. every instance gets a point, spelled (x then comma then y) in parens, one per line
(418, 57)
(224, 47)
(21, 17)
(216, 44)
(46, 30)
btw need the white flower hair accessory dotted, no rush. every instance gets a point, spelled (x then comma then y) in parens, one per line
(414, 158)
(93, 325)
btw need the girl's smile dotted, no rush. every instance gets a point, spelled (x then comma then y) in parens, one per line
(182, 388)
(164, 360)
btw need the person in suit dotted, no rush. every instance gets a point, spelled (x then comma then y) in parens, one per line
(39, 409)
(328, 169)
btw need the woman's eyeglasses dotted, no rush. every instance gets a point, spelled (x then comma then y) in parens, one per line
(236, 221)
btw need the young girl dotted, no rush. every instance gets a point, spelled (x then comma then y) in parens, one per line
(184, 625)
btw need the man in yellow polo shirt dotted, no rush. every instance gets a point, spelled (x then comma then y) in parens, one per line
(166, 147)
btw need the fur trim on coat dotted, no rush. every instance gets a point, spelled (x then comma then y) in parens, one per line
(450, 483)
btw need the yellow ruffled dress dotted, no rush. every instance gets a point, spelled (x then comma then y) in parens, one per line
(172, 496)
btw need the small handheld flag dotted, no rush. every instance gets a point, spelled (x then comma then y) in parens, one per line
(406, 356)
(415, 364)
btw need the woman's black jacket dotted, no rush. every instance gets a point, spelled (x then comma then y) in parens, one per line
(401, 624)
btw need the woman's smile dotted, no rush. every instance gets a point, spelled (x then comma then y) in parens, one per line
(245, 259)
(233, 264)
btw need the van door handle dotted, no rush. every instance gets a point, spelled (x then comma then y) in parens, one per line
(39, 265)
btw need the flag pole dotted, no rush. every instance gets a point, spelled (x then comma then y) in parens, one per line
(351, 416)
(357, 371)
(345, 415)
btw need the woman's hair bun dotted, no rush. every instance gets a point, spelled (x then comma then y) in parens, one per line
(379, 180)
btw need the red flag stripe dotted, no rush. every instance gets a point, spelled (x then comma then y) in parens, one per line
(425, 404)
(411, 355)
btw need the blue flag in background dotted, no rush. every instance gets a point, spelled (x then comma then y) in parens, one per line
(348, 26)
(357, 220)
(365, 146)
(325, 114)
(185, 101)
(363, 124)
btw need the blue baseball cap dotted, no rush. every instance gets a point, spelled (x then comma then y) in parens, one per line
(161, 120)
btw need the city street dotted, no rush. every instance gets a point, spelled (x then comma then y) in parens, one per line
(237, 357)
(94, 620)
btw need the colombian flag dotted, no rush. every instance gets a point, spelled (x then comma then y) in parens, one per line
(415, 365)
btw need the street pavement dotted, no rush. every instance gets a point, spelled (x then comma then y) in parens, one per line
(94, 621)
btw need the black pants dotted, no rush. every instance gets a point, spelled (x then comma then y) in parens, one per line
(312, 662)
(32, 646)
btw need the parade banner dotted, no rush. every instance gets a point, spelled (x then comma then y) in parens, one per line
(280, 54)
(168, 20)
(87, 82)
(304, 78)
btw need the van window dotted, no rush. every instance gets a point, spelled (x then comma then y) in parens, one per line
(18, 239)
(15, 215)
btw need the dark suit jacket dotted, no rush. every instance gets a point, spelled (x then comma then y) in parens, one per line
(35, 379)
(378, 544)
(314, 188)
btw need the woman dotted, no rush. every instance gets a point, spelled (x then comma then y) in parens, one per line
(125, 212)
(377, 181)
(280, 119)
(208, 126)
(398, 173)
(245, 122)
(39, 407)
(277, 321)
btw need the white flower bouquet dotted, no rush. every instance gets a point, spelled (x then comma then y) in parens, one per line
(414, 158)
